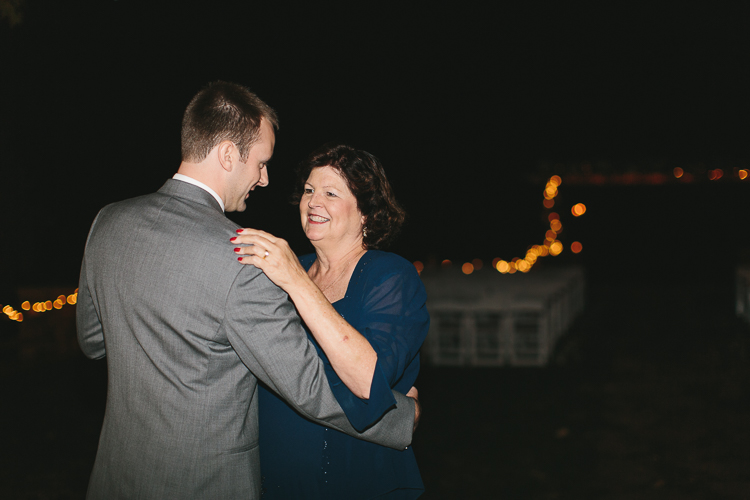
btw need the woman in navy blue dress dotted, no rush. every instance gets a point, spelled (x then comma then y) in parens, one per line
(348, 211)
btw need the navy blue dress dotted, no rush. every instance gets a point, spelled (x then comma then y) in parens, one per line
(385, 302)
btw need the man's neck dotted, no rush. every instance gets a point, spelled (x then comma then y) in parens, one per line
(197, 175)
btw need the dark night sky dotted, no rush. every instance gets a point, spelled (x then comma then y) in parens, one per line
(460, 104)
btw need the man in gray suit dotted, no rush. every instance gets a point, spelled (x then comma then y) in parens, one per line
(188, 331)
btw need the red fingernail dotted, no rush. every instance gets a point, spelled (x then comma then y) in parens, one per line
(239, 258)
(236, 249)
(232, 239)
(238, 231)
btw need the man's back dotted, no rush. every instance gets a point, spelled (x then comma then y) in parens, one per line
(178, 420)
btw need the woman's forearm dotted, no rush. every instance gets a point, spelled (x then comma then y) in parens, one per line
(350, 354)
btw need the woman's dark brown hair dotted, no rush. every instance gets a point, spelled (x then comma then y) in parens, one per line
(366, 179)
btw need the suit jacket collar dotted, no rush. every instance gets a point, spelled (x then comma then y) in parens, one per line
(190, 192)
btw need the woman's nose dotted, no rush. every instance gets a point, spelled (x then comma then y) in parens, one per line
(313, 201)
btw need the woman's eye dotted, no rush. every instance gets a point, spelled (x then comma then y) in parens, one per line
(331, 194)
(308, 191)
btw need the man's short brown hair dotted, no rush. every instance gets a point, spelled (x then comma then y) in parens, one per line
(223, 111)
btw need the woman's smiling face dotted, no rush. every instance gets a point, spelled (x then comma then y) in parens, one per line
(328, 209)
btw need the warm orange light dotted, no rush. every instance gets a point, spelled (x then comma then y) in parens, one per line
(742, 174)
(576, 247)
(543, 251)
(578, 209)
(555, 248)
(555, 225)
(502, 266)
(678, 172)
(72, 298)
(495, 261)
(523, 266)
(548, 203)
(715, 174)
(478, 264)
(19, 317)
(48, 305)
(512, 269)
(7, 309)
(26, 305)
(467, 268)
(419, 266)
(446, 263)
(550, 235)
(57, 304)
(556, 180)
(553, 216)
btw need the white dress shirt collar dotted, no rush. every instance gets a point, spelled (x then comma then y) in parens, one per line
(190, 180)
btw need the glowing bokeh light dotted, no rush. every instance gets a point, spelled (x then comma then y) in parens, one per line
(477, 263)
(523, 266)
(550, 235)
(26, 305)
(578, 209)
(553, 216)
(555, 225)
(742, 174)
(467, 268)
(446, 263)
(419, 266)
(555, 248)
(502, 266)
(576, 247)
(678, 172)
(556, 180)
(548, 203)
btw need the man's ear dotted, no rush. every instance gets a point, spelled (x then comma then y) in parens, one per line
(228, 155)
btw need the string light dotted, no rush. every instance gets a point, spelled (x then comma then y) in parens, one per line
(551, 245)
(41, 306)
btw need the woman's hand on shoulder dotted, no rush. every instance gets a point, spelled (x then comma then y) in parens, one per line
(270, 254)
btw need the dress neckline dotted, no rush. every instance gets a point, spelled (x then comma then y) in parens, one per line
(351, 278)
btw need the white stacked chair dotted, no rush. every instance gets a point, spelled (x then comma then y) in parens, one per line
(491, 319)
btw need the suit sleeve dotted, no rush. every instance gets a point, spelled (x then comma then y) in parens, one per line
(265, 331)
(394, 319)
(88, 325)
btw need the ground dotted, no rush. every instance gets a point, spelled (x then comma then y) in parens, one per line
(647, 397)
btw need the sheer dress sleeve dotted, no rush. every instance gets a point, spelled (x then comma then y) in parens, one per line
(393, 317)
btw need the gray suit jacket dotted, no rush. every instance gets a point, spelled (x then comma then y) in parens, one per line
(187, 332)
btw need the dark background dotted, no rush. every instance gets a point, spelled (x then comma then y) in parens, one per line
(462, 103)
(470, 107)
